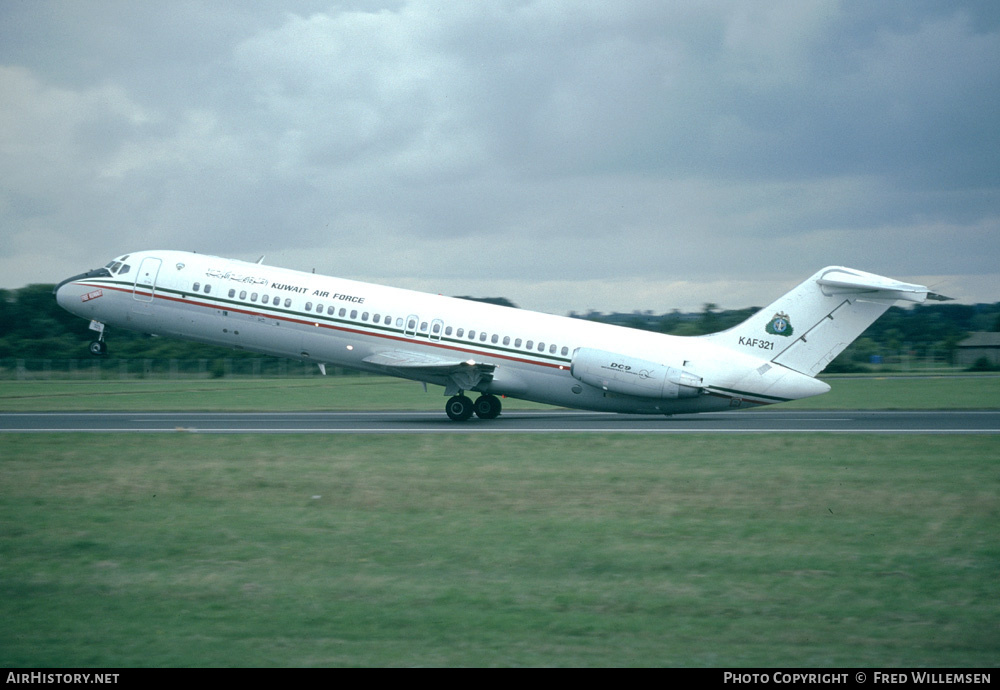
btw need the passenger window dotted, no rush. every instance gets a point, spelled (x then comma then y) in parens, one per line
(472, 335)
(364, 316)
(517, 342)
(309, 306)
(552, 349)
(253, 297)
(196, 287)
(265, 298)
(565, 351)
(232, 293)
(506, 340)
(399, 322)
(343, 312)
(208, 289)
(541, 347)
(330, 311)
(495, 339)
(529, 344)
(354, 313)
(447, 330)
(243, 294)
(460, 332)
(411, 324)
(423, 326)
(319, 308)
(288, 301)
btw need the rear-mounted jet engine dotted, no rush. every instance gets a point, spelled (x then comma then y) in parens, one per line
(618, 373)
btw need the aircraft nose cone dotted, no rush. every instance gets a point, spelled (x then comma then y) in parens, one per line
(68, 294)
(60, 294)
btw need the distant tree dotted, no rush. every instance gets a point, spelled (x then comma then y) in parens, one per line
(709, 322)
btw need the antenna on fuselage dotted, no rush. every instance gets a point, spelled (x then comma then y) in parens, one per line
(261, 259)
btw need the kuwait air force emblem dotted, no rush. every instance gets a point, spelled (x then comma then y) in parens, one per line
(779, 325)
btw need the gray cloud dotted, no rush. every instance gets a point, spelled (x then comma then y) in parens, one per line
(575, 155)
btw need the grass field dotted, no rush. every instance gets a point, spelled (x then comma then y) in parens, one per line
(190, 550)
(378, 393)
(555, 550)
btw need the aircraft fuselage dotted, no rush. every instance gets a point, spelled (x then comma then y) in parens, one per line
(496, 350)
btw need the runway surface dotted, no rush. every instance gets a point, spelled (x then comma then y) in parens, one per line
(748, 422)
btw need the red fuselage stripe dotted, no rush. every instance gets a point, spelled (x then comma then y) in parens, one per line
(181, 300)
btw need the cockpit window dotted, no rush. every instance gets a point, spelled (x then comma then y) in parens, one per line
(118, 266)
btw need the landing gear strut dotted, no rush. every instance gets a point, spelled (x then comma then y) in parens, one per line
(460, 408)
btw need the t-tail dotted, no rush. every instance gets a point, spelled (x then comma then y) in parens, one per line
(808, 327)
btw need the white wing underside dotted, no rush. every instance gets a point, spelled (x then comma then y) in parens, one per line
(455, 375)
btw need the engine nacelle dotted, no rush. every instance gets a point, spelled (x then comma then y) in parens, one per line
(617, 373)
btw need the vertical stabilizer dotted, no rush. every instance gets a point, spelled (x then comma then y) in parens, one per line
(808, 327)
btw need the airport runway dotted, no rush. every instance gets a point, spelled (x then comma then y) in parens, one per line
(748, 422)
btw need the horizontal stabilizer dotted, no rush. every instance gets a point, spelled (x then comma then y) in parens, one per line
(841, 281)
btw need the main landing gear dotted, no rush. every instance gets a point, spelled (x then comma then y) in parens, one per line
(461, 408)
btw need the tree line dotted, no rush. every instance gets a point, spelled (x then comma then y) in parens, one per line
(33, 326)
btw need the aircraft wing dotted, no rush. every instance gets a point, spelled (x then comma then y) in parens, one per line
(454, 374)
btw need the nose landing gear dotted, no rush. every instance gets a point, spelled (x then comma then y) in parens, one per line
(98, 348)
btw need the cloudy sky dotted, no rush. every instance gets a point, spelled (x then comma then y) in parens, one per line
(566, 154)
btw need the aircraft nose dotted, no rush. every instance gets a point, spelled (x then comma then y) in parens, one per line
(68, 294)
(63, 295)
(61, 292)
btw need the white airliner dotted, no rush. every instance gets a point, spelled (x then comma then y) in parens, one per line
(495, 351)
